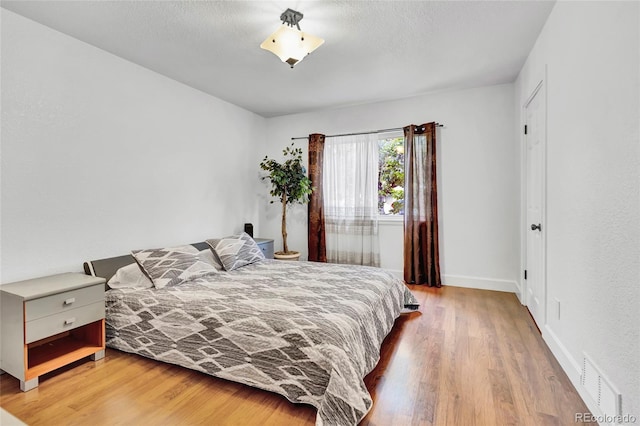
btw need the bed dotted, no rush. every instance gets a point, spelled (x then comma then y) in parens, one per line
(308, 331)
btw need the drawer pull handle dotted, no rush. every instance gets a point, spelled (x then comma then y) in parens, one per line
(69, 301)
(69, 321)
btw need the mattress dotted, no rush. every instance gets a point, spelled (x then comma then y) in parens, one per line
(308, 331)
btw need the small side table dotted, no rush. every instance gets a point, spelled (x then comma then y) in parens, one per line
(266, 245)
(50, 322)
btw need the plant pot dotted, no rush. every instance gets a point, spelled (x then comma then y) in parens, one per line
(292, 255)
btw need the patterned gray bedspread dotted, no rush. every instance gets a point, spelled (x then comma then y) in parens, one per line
(308, 331)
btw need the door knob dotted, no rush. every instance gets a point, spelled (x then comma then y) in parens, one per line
(534, 227)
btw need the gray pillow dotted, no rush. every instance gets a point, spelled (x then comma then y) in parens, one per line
(172, 265)
(236, 251)
(207, 256)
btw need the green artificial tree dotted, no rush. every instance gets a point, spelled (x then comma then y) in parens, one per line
(289, 183)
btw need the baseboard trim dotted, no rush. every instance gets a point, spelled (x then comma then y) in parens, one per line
(572, 368)
(472, 282)
(567, 362)
(481, 283)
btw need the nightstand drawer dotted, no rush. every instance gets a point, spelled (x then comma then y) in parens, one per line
(63, 321)
(62, 302)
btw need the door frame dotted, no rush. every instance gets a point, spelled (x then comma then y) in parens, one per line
(539, 90)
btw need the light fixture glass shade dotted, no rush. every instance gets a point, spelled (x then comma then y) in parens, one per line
(290, 44)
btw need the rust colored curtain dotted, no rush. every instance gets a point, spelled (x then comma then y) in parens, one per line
(316, 228)
(421, 257)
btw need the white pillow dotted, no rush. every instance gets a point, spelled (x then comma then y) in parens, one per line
(130, 276)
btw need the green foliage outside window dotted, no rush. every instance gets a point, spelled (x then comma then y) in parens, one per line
(391, 176)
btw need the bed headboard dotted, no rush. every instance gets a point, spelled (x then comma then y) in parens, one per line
(106, 268)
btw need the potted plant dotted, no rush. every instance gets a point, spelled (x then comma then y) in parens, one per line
(290, 184)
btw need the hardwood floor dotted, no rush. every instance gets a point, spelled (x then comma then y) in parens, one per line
(469, 357)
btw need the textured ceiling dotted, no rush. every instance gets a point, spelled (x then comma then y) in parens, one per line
(373, 50)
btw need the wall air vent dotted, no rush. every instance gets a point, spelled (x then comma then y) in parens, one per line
(599, 388)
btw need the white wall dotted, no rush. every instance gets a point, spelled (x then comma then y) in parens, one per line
(101, 156)
(478, 176)
(591, 50)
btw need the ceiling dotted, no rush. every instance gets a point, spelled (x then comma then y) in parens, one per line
(373, 50)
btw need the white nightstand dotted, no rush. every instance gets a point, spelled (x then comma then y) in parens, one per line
(50, 322)
(266, 245)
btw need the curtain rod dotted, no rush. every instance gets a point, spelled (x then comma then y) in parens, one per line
(394, 129)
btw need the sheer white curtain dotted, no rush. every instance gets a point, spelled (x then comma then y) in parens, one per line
(350, 180)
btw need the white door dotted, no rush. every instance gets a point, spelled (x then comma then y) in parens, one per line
(535, 228)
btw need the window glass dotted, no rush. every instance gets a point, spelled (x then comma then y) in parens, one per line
(391, 175)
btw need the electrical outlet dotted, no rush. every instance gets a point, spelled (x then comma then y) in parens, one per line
(557, 307)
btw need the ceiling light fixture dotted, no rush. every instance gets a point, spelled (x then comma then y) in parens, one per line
(289, 44)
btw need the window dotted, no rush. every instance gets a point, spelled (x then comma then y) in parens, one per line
(391, 175)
